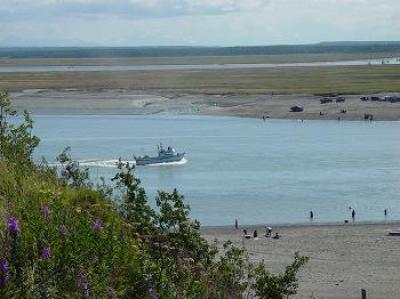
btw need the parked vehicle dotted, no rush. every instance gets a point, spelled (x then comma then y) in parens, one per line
(296, 109)
(340, 100)
(325, 100)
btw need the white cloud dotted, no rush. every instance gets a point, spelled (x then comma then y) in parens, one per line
(133, 8)
(195, 22)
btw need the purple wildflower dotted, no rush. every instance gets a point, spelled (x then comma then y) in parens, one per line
(110, 292)
(45, 211)
(83, 284)
(4, 266)
(97, 226)
(46, 252)
(13, 225)
(4, 280)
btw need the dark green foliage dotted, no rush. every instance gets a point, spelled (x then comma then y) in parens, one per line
(70, 171)
(62, 238)
(134, 207)
(231, 274)
(16, 141)
(268, 286)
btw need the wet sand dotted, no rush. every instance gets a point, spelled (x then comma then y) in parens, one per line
(126, 101)
(343, 258)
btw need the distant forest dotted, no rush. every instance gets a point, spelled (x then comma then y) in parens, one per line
(126, 52)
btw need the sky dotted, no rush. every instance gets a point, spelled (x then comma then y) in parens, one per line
(195, 22)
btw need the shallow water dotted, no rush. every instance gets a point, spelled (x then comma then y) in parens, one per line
(114, 68)
(259, 172)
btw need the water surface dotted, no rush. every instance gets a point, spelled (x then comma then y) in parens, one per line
(258, 172)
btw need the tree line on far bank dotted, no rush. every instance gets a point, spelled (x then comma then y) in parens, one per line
(187, 51)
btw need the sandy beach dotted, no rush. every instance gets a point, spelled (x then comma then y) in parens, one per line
(126, 101)
(343, 258)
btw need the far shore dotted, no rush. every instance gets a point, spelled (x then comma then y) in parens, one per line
(138, 102)
(344, 258)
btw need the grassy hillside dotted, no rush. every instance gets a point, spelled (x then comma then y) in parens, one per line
(61, 237)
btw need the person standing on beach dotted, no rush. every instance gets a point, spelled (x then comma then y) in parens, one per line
(353, 215)
(385, 212)
(311, 215)
(268, 231)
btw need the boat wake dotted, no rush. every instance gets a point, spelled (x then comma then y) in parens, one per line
(177, 163)
(102, 163)
(114, 163)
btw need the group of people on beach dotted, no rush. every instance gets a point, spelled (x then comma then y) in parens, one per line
(268, 229)
(268, 234)
(353, 214)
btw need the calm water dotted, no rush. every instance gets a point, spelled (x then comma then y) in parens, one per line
(272, 172)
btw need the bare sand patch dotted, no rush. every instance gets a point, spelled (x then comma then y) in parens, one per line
(343, 258)
(123, 101)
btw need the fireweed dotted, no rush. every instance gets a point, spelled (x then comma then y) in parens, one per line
(13, 225)
(4, 268)
(45, 252)
(97, 226)
(83, 285)
(45, 211)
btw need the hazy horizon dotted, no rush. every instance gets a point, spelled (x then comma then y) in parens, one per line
(356, 42)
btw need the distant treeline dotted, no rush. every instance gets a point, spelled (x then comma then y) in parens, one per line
(126, 52)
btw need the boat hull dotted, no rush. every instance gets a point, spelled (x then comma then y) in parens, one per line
(159, 160)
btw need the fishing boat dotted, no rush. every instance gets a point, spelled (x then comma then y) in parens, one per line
(168, 155)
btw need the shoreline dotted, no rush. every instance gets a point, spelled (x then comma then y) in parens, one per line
(303, 225)
(139, 102)
(41, 114)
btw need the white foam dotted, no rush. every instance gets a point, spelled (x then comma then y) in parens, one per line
(181, 162)
(102, 163)
(114, 163)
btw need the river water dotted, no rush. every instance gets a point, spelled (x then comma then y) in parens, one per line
(258, 172)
